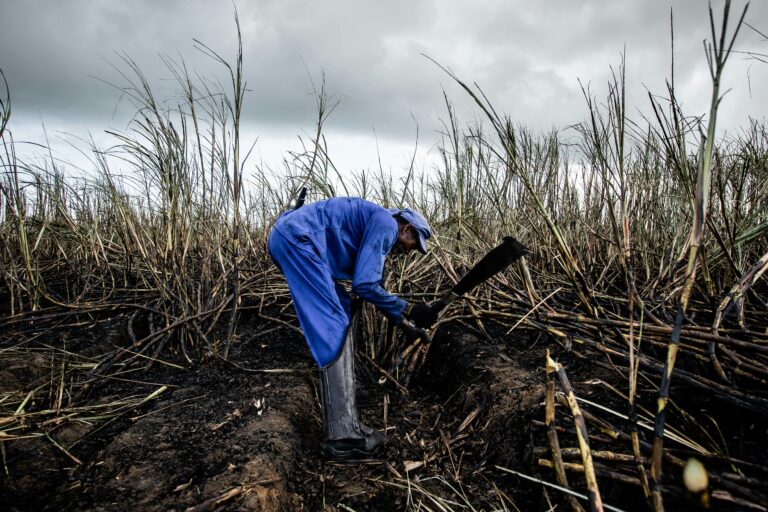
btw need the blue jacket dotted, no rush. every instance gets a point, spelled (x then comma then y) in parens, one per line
(353, 237)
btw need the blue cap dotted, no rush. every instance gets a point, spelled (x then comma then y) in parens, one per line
(419, 223)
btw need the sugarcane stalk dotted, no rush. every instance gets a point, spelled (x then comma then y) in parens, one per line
(579, 468)
(734, 396)
(717, 54)
(238, 89)
(554, 443)
(541, 451)
(633, 372)
(746, 281)
(686, 334)
(595, 501)
(602, 425)
(530, 289)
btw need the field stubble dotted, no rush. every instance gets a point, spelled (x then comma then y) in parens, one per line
(140, 289)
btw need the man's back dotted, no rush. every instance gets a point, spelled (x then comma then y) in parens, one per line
(339, 229)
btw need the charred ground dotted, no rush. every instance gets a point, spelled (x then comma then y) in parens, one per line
(646, 281)
(218, 427)
(248, 435)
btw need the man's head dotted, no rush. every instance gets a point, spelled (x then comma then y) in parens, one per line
(412, 231)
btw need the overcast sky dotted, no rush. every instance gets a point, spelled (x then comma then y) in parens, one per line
(528, 56)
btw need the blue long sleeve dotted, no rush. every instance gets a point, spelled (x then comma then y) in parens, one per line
(353, 237)
(379, 238)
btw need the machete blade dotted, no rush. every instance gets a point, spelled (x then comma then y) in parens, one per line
(497, 259)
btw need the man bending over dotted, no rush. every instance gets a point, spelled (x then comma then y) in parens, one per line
(320, 244)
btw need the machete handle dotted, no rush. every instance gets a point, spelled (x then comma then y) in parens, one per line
(413, 332)
(301, 198)
(445, 300)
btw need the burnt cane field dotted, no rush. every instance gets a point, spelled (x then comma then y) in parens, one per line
(150, 357)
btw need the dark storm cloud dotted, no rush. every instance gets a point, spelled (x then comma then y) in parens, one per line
(53, 52)
(527, 56)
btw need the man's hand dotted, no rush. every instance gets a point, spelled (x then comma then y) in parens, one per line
(411, 332)
(423, 315)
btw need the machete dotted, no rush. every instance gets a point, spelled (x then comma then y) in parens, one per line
(497, 259)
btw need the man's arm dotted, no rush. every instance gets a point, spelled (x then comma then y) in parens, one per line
(379, 237)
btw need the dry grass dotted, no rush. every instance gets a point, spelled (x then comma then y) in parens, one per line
(649, 238)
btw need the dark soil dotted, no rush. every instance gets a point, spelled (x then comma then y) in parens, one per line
(217, 428)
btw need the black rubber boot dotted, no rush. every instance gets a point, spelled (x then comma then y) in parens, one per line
(345, 436)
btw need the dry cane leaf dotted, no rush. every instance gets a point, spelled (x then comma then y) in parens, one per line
(181, 487)
(468, 419)
(410, 465)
